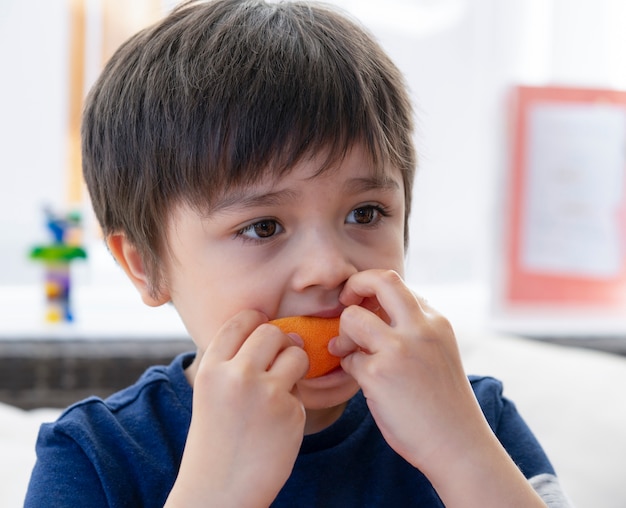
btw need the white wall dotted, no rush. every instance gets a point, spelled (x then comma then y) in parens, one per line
(458, 55)
(33, 42)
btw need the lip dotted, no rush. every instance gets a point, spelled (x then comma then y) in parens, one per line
(330, 313)
(331, 379)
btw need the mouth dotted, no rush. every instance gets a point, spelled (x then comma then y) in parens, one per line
(330, 379)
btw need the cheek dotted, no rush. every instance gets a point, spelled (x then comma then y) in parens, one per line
(201, 317)
(384, 253)
(207, 305)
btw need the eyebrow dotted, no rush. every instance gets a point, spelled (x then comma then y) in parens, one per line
(378, 182)
(241, 200)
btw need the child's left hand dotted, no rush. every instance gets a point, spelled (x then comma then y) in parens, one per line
(405, 357)
(408, 366)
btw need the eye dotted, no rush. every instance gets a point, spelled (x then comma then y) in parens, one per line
(260, 230)
(366, 215)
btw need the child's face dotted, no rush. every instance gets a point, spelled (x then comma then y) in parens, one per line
(286, 247)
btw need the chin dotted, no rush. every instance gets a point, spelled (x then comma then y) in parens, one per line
(324, 392)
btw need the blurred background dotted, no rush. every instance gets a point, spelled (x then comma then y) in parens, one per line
(460, 58)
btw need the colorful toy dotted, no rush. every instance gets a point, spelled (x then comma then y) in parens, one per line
(316, 333)
(57, 257)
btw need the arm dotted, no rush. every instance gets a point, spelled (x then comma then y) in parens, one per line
(248, 421)
(405, 357)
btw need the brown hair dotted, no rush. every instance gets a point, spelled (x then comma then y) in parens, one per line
(218, 93)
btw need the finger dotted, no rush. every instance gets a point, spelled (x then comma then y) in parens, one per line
(291, 364)
(263, 346)
(342, 346)
(424, 304)
(354, 363)
(233, 333)
(359, 330)
(395, 298)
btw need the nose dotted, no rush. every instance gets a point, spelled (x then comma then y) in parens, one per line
(323, 259)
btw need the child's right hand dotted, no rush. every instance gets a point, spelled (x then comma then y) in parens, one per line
(248, 420)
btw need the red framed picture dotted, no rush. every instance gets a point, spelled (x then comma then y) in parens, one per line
(565, 220)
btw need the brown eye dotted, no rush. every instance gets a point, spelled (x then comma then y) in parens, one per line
(261, 230)
(265, 229)
(364, 215)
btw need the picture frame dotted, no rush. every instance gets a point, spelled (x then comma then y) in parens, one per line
(562, 255)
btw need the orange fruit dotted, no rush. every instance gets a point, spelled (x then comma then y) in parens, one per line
(316, 332)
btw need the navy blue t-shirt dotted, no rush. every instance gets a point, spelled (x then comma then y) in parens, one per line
(125, 451)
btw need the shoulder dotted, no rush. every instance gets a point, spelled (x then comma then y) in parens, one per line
(486, 385)
(125, 447)
(500, 412)
(161, 389)
(510, 428)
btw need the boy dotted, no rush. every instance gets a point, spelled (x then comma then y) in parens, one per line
(251, 161)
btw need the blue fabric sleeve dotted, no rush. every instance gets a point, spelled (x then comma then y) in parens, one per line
(124, 451)
(510, 429)
(63, 475)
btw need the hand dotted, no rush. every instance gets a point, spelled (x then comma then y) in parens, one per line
(406, 362)
(404, 356)
(248, 420)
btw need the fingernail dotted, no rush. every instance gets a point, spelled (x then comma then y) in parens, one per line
(296, 338)
(331, 345)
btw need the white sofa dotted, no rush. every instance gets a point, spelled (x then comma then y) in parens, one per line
(574, 402)
(18, 431)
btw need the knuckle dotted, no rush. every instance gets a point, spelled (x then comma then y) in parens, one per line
(241, 377)
(268, 329)
(392, 277)
(272, 335)
(398, 348)
(375, 371)
(442, 323)
(297, 354)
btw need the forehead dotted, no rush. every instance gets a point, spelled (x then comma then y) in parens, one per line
(353, 173)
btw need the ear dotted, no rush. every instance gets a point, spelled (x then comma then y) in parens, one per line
(131, 262)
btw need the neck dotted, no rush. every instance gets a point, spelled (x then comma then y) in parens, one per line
(319, 419)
